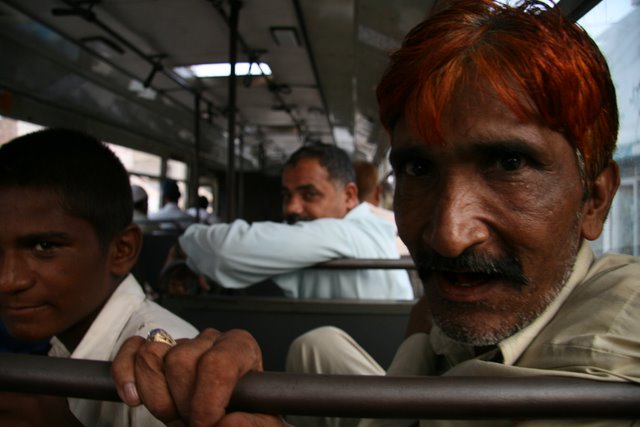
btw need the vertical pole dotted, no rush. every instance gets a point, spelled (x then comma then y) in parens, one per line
(231, 111)
(163, 176)
(241, 178)
(194, 180)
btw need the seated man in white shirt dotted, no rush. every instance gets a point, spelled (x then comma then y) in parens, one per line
(199, 211)
(170, 216)
(67, 245)
(325, 222)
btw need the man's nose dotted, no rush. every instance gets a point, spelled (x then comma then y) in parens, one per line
(293, 206)
(13, 272)
(458, 221)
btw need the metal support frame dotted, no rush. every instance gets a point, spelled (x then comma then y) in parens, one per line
(355, 263)
(231, 112)
(545, 397)
(194, 169)
(240, 181)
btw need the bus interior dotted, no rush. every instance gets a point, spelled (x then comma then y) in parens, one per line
(153, 79)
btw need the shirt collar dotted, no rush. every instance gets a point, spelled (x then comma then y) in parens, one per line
(99, 340)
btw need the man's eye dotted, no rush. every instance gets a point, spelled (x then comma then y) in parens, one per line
(511, 162)
(44, 246)
(416, 167)
(309, 196)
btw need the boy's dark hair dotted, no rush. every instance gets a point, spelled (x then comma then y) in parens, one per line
(333, 159)
(89, 179)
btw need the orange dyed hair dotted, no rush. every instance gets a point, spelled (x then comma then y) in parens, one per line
(530, 49)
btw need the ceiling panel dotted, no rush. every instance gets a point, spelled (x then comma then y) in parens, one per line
(327, 83)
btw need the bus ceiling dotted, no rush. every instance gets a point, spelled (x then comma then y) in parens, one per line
(123, 70)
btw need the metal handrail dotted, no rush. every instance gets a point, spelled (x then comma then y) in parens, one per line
(357, 396)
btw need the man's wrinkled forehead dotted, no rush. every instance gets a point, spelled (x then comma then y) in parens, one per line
(465, 101)
(477, 112)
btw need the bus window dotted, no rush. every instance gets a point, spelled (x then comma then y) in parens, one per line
(10, 128)
(614, 25)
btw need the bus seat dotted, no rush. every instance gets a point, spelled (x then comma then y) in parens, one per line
(153, 255)
(379, 326)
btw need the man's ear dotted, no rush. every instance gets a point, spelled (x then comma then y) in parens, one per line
(124, 250)
(597, 206)
(377, 195)
(351, 195)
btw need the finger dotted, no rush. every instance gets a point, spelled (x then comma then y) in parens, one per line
(123, 371)
(243, 419)
(151, 382)
(181, 369)
(233, 355)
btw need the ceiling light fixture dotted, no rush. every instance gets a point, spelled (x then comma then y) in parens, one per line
(224, 69)
(285, 36)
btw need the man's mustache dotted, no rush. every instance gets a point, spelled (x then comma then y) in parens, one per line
(506, 267)
(293, 218)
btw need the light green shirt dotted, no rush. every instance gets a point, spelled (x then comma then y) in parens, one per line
(591, 330)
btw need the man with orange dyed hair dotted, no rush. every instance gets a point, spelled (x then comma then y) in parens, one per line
(503, 122)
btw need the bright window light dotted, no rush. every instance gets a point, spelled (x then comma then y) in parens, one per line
(224, 69)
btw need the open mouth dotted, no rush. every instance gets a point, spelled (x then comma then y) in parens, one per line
(467, 287)
(470, 277)
(468, 280)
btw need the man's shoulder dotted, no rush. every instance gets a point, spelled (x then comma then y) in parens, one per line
(614, 269)
(363, 215)
(143, 314)
(151, 315)
(611, 277)
(597, 328)
(611, 284)
(380, 212)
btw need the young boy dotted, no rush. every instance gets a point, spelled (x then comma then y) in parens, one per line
(67, 245)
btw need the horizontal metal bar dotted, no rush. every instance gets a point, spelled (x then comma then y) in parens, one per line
(63, 377)
(357, 396)
(353, 263)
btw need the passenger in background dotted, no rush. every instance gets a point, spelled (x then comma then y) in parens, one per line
(503, 123)
(140, 209)
(369, 188)
(200, 212)
(325, 222)
(170, 216)
(67, 245)
(140, 203)
(370, 193)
